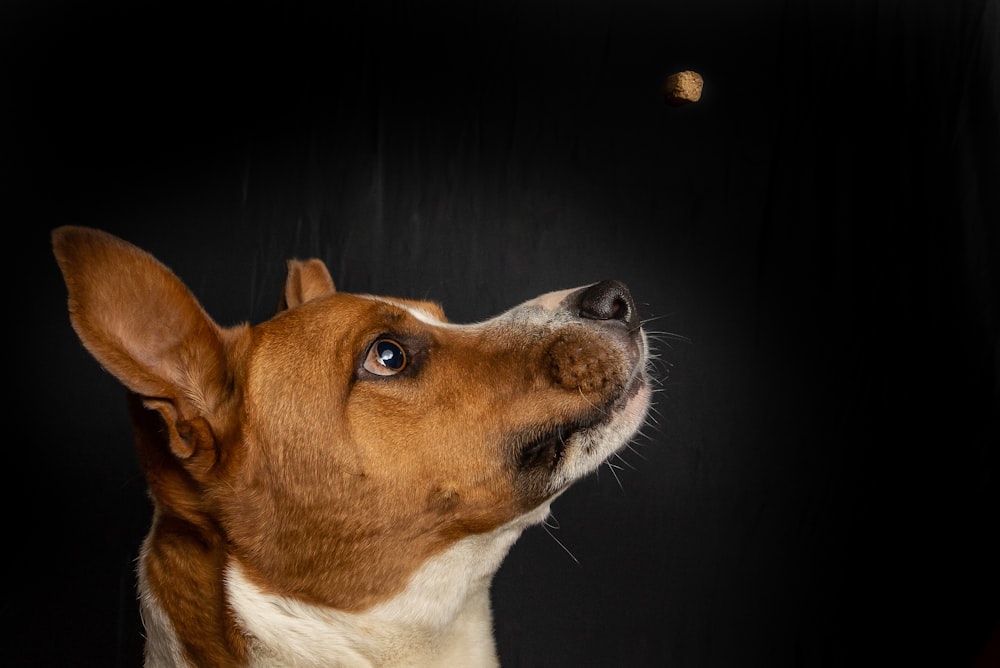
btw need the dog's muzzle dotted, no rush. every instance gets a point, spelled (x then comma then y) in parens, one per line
(596, 353)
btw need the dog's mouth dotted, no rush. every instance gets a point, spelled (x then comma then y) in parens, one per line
(547, 450)
(541, 452)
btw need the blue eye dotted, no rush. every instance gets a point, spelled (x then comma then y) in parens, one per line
(385, 358)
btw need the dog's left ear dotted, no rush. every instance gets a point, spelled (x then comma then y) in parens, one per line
(145, 327)
(307, 279)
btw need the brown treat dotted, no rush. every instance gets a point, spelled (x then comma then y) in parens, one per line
(682, 88)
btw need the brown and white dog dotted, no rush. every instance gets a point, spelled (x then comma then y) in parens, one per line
(338, 485)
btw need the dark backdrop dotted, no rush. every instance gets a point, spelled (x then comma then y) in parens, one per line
(819, 483)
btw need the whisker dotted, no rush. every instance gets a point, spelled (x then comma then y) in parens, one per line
(630, 446)
(624, 461)
(548, 530)
(654, 333)
(612, 467)
(601, 409)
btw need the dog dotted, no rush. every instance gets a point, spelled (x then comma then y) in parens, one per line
(338, 485)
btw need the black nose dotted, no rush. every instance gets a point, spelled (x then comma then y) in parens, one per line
(609, 300)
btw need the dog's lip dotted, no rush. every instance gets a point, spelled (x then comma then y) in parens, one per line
(638, 380)
(557, 439)
(554, 441)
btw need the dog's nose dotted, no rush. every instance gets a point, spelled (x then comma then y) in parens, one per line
(609, 300)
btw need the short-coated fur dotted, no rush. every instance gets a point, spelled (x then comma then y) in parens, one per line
(337, 485)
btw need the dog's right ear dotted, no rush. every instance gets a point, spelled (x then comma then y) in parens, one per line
(145, 327)
(307, 279)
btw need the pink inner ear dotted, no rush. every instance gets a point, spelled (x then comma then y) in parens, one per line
(307, 279)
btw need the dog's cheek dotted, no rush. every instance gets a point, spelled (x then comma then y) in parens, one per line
(532, 487)
(442, 499)
(475, 512)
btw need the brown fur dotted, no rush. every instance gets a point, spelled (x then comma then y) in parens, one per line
(267, 444)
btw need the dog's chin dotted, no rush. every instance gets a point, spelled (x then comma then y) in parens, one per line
(575, 449)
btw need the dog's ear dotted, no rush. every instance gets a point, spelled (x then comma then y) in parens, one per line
(307, 279)
(146, 328)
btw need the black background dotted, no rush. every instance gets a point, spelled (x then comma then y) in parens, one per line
(819, 485)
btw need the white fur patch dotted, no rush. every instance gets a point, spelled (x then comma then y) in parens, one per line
(420, 314)
(442, 618)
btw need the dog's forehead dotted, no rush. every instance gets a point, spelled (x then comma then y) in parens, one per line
(429, 313)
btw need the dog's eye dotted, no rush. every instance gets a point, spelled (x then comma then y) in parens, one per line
(385, 358)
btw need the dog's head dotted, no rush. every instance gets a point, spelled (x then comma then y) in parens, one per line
(336, 447)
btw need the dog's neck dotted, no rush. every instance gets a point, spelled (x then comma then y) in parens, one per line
(442, 618)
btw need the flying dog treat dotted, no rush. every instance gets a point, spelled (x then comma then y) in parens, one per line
(682, 88)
